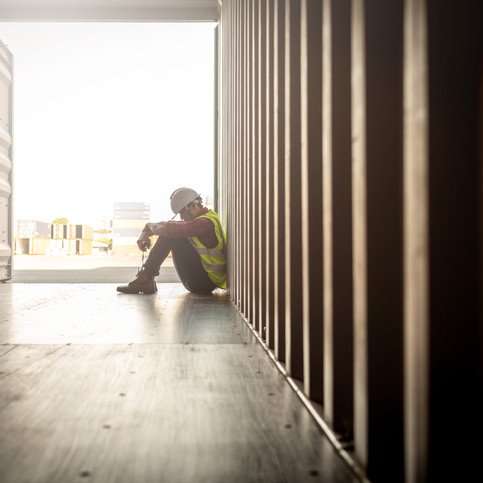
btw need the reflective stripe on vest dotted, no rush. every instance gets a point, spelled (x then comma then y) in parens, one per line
(208, 251)
(213, 259)
(213, 268)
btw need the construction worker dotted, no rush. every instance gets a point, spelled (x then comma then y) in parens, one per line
(197, 244)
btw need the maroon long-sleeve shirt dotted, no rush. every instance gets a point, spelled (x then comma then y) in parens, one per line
(202, 228)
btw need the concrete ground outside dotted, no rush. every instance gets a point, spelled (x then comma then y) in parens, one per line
(84, 269)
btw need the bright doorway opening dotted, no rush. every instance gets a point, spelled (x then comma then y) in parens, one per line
(106, 113)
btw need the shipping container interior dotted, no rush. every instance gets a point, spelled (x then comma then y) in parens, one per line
(348, 176)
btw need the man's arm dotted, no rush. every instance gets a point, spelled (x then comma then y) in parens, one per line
(156, 228)
(144, 243)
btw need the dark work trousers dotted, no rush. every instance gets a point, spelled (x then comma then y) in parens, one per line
(186, 262)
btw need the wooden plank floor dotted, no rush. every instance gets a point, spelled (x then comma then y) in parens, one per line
(173, 387)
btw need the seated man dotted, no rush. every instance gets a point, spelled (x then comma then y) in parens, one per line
(197, 244)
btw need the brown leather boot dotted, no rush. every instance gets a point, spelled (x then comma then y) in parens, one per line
(142, 284)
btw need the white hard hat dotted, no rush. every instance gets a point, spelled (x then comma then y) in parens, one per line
(181, 198)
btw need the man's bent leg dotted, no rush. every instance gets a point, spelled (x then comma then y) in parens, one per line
(189, 269)
(144, 282)
(158, 255)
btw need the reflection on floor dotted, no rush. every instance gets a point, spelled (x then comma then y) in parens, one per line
(171, 387)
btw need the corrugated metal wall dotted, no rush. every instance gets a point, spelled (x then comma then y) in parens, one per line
(6, 134)
(350, 166)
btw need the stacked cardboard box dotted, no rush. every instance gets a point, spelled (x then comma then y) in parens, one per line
(129, 219)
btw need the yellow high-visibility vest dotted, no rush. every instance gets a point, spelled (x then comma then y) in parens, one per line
(213, 259)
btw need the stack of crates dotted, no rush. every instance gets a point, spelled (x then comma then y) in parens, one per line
(72, 239)
(80, 239)
(59, 244)
(129, 219)
(32, 237)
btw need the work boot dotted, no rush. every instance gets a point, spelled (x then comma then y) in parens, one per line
(142, 284)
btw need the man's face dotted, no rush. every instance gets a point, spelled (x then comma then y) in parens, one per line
(187, 213)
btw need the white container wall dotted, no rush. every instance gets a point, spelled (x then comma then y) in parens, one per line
(6, 133)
